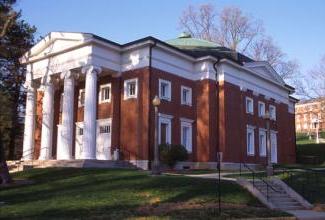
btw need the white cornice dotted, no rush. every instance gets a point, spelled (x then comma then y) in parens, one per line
(253, 73)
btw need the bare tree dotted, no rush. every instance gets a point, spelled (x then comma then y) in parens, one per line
(231, 28)
(317, 74)
(266, 49)
(200, 22)
(238, 31)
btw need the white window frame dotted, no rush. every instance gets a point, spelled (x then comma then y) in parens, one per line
(108, 85)
(168, 96)
(79, 98)
(186, 102)
(261, 114)
(262, 149)
(166, 119)
(189, 142)
(250, 149)
(126, 91)
(248, 110)
(272, 115)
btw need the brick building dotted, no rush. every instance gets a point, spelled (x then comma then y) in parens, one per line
(309, 114)
(89, 98)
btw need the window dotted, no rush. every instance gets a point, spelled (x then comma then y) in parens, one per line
(250, 140)
(165, 89)
(262, 142)
(249, 105)
(186, 135)
(105, 93)
(164, 129)
(261, 109)
(186, 94)
(272, 110)
(81, 99)
(130, 88)
(104, 129)
(80, 131)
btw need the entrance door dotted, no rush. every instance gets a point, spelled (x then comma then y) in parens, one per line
(274, 148)
(103, 142)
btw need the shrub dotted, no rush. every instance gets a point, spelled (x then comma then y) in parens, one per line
(170, 154)
(302, 136)
(322, 134)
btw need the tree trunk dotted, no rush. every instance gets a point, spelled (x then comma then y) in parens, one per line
(4, 171)
(14, 120)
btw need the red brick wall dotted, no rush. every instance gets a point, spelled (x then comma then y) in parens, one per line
(207, 130)
(233, 120)
(38, 125)
(134, 116)
(173, 107)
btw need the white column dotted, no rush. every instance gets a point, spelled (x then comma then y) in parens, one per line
(89, 139)
(28, 145)
(47, 120)
(64, 148)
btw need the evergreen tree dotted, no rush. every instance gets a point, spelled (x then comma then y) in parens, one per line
(16, 37)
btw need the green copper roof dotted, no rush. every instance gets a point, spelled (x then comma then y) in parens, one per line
(185, 40)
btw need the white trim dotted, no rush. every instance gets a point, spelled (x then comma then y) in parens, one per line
(186, 102)
(262, 131)
(165, 120)
(248, 110)
(272, 116)
(79, 98)
(187, 120)
(162, 115)
(126, 92)
(188, 145)
(108, 85)
(250, 149)
(167, 96)
(258, 107)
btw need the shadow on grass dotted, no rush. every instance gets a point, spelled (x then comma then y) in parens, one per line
(107, 193)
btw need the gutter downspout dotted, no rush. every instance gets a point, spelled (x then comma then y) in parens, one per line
(217, 96)
(150, 107)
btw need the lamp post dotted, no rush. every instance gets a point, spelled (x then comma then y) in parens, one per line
(155, 170)
(316, 124)
(269, 168)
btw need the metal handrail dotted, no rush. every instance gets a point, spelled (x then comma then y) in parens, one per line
(260, 178)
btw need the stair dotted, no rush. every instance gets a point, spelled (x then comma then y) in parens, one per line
(278, 196)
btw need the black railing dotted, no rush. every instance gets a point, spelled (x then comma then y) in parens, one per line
(255, 176)
(306, 181)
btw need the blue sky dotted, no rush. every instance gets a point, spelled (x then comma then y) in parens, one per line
(297, 26)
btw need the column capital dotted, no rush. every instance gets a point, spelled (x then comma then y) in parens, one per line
(66, 74)
(91, 69)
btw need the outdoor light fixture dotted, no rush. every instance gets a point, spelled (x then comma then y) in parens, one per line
(155, 170)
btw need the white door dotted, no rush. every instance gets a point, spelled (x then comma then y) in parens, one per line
(79, 139)
(103, 142)
(274, 148)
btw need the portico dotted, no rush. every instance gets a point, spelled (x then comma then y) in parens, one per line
(51, 71)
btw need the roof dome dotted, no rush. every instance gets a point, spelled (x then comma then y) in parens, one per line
(185, 40)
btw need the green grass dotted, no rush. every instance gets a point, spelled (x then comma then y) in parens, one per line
(68, 193)
(305, 141)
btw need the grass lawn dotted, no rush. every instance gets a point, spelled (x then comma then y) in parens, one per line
(71, 193)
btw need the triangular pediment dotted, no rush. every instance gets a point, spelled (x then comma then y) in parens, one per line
(265, 70)
(55, 42)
